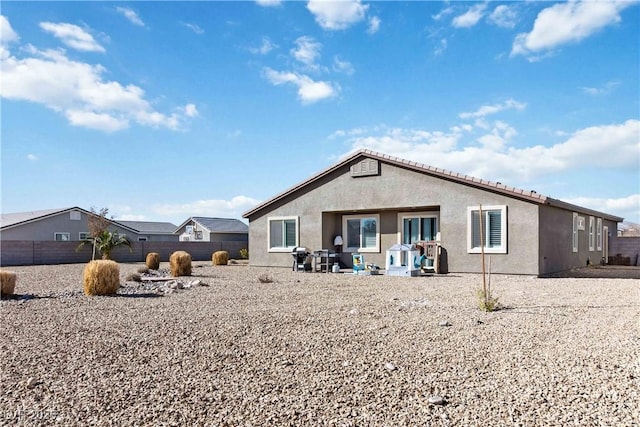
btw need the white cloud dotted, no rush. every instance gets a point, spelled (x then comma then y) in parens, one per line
(504, 16)
(604, 90)
(444, 12)
(486, 110)
(268, 3)
(342, 66)
(471, 17)
(615, 146)
(7, 34)
(374, 25)
(565, 23)
(32, 157)
(307, 51)
(72, 36)
(337, 15)
(627, 207)
(193, 27)
(233, 208)
(265, 47)
(78, 91)
(131, 15)
(441, 47)
(309, 91)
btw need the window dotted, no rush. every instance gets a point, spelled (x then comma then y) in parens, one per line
(74, 215)
(283, 234)
(494, 229)
(418, 226)
(84, 235)
(592, 236)
(61, 237)
(142, 239)
(362, 233)
(599, 233)
(198, 235)
(576, 226)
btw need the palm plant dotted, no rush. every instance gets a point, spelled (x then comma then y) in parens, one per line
(106, 241)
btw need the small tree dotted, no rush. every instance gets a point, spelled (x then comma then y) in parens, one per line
(106, 242)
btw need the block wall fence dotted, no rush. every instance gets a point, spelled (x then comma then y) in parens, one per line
(28, 252)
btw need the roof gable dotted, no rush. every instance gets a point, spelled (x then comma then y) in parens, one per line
(495, 187)
(218, 225)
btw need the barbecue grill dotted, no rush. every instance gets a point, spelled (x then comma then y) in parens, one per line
(300, 261)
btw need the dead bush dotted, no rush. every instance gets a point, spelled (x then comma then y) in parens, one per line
(180, 264)
(220, 258)
(7, 282)
(153, 261)
(101, 277)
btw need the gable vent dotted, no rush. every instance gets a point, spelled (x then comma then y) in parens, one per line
(366, 167)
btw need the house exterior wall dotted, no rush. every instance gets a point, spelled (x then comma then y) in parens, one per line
(44, 229)
(556, 241)
(321, 205)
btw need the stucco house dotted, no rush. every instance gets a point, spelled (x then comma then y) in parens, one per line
(374, 201)
(72, 224)
(203, 229)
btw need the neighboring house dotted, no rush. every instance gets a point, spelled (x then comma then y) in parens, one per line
(152, 231)
(202, 229)
(374, 201)
(72, 224)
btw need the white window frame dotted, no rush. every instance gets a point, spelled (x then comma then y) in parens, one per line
(345, 232)
(198, 234)
(282, 218)
(61, 233)
(599, 234)
(84, 235)
(574, 235)
(502, 249)
(75, 215)
(420, 215)
(592, 234)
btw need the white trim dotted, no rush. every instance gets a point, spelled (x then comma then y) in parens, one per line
(426, 214)
(502, 249)
(282, 218)
(599, 234)
(574, 234)
(345, 233)
(592, 234)
(87, 235)
(62, 233)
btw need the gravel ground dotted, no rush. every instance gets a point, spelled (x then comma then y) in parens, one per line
(319, 349)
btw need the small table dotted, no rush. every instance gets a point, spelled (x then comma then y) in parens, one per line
(324, 259)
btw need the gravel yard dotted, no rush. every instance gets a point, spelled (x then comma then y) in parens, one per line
(319, 349)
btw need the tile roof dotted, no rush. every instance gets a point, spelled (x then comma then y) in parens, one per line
(497, 187)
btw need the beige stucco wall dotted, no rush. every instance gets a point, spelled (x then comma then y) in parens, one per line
(396, 190)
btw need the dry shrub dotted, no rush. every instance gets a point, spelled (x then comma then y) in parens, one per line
(265, 278)
(220, 258)
(101, 277)
(153, 261)
(134, 277)
(7, 282)
(486, 301)
(180, 264)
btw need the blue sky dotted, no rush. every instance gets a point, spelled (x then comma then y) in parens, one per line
(165, 110)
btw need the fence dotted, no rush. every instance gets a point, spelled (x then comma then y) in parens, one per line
(625, 250)
(28, 252)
